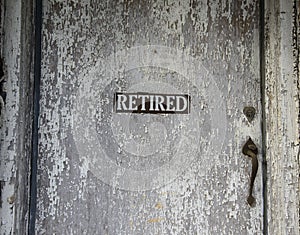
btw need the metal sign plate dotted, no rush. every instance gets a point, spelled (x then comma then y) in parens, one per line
(152, 103)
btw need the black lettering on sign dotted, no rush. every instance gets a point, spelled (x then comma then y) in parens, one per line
(151, 103)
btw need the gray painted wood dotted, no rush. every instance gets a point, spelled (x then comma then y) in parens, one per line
(282, 110)
(16, 115)
(70, 201)
(91, 49)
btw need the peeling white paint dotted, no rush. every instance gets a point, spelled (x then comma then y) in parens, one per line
(209, 199)
(223, 36)
(282, 120)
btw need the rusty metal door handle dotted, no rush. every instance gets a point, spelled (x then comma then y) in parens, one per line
(251, 150)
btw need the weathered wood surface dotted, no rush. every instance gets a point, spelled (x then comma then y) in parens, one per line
(86, 42)
(282, 110)
(15, 130)
(74, 201)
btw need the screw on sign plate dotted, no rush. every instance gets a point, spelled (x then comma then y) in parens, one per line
(249, 113)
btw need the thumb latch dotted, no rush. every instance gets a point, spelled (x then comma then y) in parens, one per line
(250, 150)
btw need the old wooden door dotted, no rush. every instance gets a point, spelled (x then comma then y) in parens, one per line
(107, 172)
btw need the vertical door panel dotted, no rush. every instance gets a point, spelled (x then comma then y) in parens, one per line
(103, 172)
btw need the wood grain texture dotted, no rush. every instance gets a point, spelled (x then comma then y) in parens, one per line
(16, 49)
(223, 36)
(220, 34)
(282, 110)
